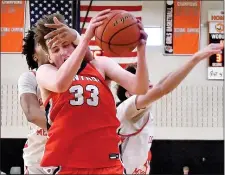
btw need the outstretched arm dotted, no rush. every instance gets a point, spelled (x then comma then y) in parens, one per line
(171, 81)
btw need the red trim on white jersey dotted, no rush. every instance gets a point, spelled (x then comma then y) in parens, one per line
(135, 133)
(33, 72)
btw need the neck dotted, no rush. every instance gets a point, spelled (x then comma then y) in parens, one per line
(39, 64)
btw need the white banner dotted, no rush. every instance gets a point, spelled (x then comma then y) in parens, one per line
(215, 15)
(215, 73)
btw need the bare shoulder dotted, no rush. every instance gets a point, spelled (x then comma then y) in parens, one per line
(100, 63)
(41, 72)
(103, 62)
(45, 67)
(100, 60)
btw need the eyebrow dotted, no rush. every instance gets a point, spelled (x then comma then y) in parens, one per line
(55, 47)
(65, 42)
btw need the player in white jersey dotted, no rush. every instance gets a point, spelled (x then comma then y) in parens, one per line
(30, 98)
(30, 101)
(134, 113)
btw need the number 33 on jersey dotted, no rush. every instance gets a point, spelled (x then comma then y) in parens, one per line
(85, 94)
(79, 99)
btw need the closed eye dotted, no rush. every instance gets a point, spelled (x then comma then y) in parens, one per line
(65, 44)
(55, 49)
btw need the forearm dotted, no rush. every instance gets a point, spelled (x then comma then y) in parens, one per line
(141, 79)
(41, 122)
(175, 78)
(164, 78)
(71, 66)
(37, 117)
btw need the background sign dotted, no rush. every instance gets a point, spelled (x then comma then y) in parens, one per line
(12, 26)
(182, 27)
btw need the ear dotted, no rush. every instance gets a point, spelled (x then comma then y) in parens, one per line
(49, 59)
(127, 94)
(35, 58)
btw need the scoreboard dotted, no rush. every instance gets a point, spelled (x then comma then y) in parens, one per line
(216, 35)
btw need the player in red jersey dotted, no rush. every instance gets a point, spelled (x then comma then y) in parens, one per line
(81, 108)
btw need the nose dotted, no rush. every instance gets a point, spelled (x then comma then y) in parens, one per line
(63, 52)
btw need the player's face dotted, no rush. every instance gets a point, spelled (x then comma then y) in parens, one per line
(40, 54)
(58, 54)
(185, 172)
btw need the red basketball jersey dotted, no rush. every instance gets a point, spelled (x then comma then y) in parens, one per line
(83, 124)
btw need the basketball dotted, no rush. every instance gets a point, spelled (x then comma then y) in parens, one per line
(119, 34)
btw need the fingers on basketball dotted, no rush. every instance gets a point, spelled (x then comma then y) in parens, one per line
(144, 35)
(140, 25)
(103, 12)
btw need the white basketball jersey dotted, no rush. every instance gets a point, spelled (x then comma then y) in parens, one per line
(36, 139)
(136, 136)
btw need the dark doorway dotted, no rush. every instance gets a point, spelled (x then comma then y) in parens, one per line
(11, 154)
(202, 157)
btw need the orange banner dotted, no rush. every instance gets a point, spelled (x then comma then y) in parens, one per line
(12, 25)
(182, 30)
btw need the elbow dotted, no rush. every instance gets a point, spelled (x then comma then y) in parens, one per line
(31, 120)
(141, 90)
(61, 87)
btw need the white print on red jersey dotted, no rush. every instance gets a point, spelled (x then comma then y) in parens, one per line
(77, 77)
(79, 99)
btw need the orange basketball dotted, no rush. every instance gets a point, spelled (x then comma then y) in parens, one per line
(119, 34)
